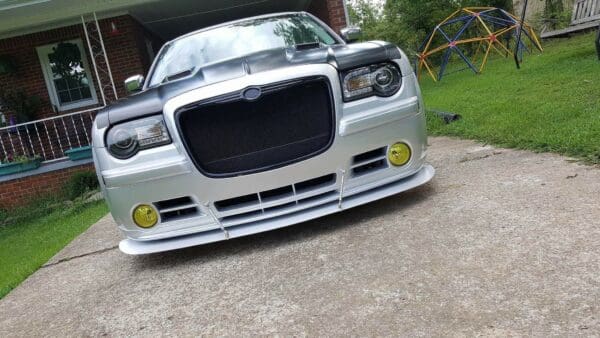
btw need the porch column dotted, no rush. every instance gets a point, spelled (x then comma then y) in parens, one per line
(95, 42)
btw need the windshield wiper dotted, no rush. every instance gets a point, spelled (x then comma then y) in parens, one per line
(178, 75)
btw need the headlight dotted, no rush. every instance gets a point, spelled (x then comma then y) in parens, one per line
(382, 80)
(127, 139)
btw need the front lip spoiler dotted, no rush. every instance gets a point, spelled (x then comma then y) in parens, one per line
(132, 247)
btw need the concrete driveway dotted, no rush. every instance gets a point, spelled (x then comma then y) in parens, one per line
(502, 242)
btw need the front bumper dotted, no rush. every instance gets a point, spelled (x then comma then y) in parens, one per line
(349, 199)
(166, 177)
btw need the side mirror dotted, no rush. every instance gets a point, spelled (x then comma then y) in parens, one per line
(134, 84)
(351, 34)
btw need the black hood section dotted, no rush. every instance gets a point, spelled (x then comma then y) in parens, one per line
(342, 57)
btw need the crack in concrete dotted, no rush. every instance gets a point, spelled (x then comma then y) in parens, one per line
(482, 157)
(467, 159)
(79, 256)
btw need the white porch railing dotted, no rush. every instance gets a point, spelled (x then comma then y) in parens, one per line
(47, 138)
(585, 11)
(50, 138)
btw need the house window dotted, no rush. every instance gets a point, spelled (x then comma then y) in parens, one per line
(67, 74)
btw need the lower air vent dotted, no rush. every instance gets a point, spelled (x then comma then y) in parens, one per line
(176, 209)
(315, 183)
(178, 214)
(274, 195)
(278, 193)
(369, 167)
(369, 156)
(369, 162)
(237, 202)
(281, 209)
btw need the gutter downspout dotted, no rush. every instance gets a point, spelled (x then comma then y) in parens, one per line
(346, 13)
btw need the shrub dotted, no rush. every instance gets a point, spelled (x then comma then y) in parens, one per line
(37, 207)
(556, 15)
(81, 183)
(3, 215)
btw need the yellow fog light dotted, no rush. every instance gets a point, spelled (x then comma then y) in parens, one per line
(145, 216)
(399, 154)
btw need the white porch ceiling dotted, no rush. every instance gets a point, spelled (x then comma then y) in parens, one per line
(167, 18)
(172, 18)
(24, 16)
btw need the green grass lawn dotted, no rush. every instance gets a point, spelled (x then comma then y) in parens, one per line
(551, 104)
(26, 245)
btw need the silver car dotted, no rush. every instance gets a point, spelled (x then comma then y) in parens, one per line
(255, 125)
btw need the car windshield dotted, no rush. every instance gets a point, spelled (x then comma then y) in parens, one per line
(182, 56)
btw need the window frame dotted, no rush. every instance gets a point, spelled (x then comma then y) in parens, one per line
(43, 52)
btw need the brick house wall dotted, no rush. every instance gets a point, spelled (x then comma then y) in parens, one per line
(20, 191)
(126, 54)
(330, 11)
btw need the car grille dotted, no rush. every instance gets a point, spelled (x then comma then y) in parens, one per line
(230, 135)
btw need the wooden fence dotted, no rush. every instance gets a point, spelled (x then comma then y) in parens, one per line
(585, 11)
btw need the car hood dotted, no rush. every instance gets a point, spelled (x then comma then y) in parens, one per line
(152, 100)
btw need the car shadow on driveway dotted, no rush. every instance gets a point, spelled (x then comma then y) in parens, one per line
(271, 240)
